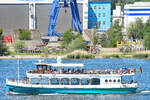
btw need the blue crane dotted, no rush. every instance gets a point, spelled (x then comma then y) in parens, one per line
(54, 14)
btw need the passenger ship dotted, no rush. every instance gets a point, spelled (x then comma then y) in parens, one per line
(60, 78)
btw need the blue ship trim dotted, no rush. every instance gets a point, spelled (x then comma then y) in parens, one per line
(34, 91)
(137, 14)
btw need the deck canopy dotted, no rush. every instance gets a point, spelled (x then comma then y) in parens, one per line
(61, 65)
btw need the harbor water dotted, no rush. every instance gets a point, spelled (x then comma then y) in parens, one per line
(8, 68)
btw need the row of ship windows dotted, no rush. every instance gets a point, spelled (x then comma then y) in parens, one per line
(98, 15)
(98, 23)
(113, 81)
(95, 7)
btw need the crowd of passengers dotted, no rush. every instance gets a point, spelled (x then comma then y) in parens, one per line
(83, 71)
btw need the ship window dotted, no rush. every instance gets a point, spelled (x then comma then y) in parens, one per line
(95, 81)
(44, 81)
(106, 80)
(75, 81)
(64, 81)
(110, 80)
(54, 81)
(114, 81)
(85, 81)
(118, 80)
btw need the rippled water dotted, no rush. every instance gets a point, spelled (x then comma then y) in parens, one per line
(143, 92)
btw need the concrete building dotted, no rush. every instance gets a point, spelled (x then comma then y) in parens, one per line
(136, 10)
(33, 14)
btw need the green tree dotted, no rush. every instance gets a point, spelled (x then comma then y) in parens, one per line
(77, 43)
(19, 46)
(3, 49)
(136, 29)
(114, 33)
(103, 40)
(67, 37)
(147, 34)
(24, 34)
(95, 38)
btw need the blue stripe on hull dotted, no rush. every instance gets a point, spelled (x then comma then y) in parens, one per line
(26, 90)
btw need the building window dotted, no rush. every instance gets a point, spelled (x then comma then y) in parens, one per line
(118, 80)
(95, 15)
(110, 80)
(90, 15)
(104, 15)
(99, 15)
(91, 7)
(99, 7)
(104, 7)
(99, 23)
(95, 7)
(106, 80)
(104, 23)
(95, 23)
(90, 23)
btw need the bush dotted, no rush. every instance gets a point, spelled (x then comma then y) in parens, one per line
(80, 56)
(1, 32)
(19, 46)
(67, 37)
(114, 34)
(76, 44)
(112, 56)
(3, 49)
(95, 38)
(136, 29)
(141, 55)
(24, 34)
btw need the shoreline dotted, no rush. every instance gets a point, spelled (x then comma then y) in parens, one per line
(109, 56)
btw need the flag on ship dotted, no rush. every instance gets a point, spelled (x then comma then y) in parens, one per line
(140, 69)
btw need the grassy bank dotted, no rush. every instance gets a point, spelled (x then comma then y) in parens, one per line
(80, 56)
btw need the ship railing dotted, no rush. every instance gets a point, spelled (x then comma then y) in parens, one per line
(108, 71)
(130, 85)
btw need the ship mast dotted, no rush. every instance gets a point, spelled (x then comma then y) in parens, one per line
(18, 66)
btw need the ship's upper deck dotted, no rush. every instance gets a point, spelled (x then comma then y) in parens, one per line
(74, 69)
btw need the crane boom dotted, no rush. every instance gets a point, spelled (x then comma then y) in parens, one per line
(54, 14)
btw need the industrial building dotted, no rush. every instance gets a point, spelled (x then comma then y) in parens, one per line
(136, 10)
(33, 14)
(131, 12)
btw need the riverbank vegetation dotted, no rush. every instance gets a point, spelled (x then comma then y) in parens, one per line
(24, 34)
(3, 47)
(72, 41)
(80, 56)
